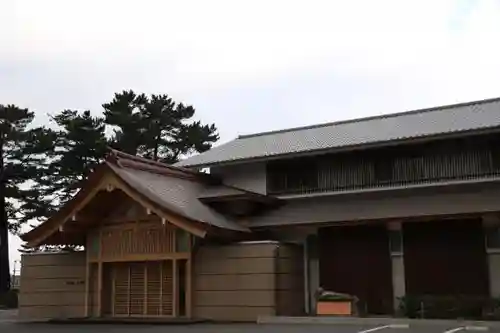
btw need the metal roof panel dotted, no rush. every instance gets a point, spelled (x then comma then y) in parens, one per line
(399, 126)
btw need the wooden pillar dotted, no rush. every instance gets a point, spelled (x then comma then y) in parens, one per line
(175, 287)
(188, 278)
(161, 287)
(129, 273)
(175, 274)
(145, 302)
(189, 287)
(99, 289)
(87, 284)
(87, 274)
(113, 290)
(99, 277)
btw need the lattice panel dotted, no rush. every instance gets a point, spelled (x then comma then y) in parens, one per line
(167, 288)
(121, 276)
(153, 289)
(139, 239)
(137, 282)
(143, 288)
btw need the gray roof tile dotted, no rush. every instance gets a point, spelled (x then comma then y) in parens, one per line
(177, 195)
(441, 120)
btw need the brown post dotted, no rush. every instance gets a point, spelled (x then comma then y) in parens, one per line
(113, 289)
(99, 289)
(145, 303)
(189, 287)
(99, 277)
(161, 287)
(175, 287)
(87, 279)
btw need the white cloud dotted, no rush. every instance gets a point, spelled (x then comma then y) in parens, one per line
(251, 65)
(219, 43)
(230, 40)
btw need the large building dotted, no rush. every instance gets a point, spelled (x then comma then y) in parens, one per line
(380, 207)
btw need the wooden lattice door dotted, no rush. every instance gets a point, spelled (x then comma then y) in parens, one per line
(153, 289)
(142, 289)
(120, 295)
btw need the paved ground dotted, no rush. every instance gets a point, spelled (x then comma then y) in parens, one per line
(8, 324)
(7, 315)
(7, 327)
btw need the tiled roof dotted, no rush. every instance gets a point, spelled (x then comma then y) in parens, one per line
(172, 188)
(399, 126)
(169, 190)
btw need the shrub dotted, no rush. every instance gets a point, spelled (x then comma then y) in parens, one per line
(9, 300)
(449, 307)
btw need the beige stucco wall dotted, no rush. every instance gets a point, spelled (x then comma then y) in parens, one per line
(243, 281)
(248, 176)
(290, 280)
(398, 278)
(52, 286)
(384, 205)
(313, 283)
(494, 271)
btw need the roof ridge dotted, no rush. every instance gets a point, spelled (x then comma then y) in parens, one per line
(122, 159)
(120, 154)
(358, 120)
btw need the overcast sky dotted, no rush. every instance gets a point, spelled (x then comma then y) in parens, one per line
(250, 66)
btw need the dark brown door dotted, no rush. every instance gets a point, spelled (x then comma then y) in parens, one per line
(445, 258)
(356, 260)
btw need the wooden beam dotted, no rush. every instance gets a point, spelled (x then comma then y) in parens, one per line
(178, 221)
(143, 257)
(78, 202)
(85, 196)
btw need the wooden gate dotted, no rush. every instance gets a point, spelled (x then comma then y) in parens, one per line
(356, 260)
(141, 288)
(140, 268)
(445, 258)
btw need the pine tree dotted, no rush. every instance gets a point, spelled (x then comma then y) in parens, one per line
(80, 146)
(21, 158)
(123, 115)
(156, 127)
(31, 163)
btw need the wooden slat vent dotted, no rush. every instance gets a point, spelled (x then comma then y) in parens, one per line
(142, 289)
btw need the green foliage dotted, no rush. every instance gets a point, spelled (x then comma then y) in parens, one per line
(156, 127)
(335, 297)
(9, 299)
(81, 145)
(123, 113)
(22, 155)
(23, 152)
(44, 167)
